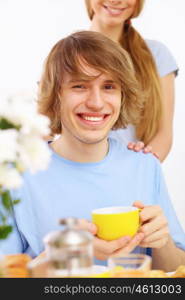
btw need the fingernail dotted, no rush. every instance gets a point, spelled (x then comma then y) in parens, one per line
(138, 237)
(141, 236)
(126, 239)
(92, 228)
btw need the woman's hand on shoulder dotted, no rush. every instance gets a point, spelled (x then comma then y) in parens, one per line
(140, 146)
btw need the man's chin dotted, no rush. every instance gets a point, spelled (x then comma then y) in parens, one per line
(93, 141)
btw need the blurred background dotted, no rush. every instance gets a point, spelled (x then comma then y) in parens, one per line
(29, 29)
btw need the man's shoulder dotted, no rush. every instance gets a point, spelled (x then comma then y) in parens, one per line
(146, 159)
(122, 150)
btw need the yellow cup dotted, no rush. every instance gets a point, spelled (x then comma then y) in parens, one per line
(115, 222)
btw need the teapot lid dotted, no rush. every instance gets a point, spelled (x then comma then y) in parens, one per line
(70, 236)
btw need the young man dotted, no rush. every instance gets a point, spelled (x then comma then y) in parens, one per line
(88, 87)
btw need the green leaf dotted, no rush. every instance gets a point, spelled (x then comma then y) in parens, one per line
(4, 124)
(3, 218)
(7, 204)
(6, 200)
(5, 230)
(16, 201)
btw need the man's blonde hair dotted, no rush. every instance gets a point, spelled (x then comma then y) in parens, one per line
(93, 49)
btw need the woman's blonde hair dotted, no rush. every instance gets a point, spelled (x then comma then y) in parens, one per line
(69, 56)
(146, 73)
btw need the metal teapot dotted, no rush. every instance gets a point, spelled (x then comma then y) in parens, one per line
(69, 251)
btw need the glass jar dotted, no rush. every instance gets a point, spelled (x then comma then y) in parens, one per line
(130, 265)
(69, 251)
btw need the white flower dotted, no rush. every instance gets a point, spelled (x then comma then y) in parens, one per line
(34, 153)
(16, 108)
(9, 177)
(23, 112)
(36, 124)
(22, 147)
(8, 145)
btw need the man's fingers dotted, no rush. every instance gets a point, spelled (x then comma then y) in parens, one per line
(158, 243)
(130, 246)
(105, 249)
(157, 235)
(150, 212)
(153, 226)
(138, 204)
(108, 247)
(86, 225)
(134, 242)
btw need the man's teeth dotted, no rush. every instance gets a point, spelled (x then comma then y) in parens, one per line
(95, 119)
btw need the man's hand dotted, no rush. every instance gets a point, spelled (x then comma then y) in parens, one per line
(104, 249)
(154, 225)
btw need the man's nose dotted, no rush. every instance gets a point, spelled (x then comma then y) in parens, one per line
(95, 100)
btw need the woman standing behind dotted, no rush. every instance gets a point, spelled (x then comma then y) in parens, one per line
(155, 70)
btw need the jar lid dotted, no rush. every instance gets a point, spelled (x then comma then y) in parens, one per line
(70, 236)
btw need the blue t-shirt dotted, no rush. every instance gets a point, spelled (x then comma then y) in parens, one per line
(165, 62)
(70, 188)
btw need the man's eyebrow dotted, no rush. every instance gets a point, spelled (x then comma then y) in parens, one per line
(110, 81)
(78, 80)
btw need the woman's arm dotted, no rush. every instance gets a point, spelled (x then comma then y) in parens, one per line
(162, 141)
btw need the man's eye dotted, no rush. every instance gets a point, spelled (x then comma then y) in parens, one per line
(78, 86)
(109, 86)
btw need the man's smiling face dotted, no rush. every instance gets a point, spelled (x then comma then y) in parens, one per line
(89, 107)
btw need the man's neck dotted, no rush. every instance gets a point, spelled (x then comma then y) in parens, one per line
(112, 32)
(80, 152)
